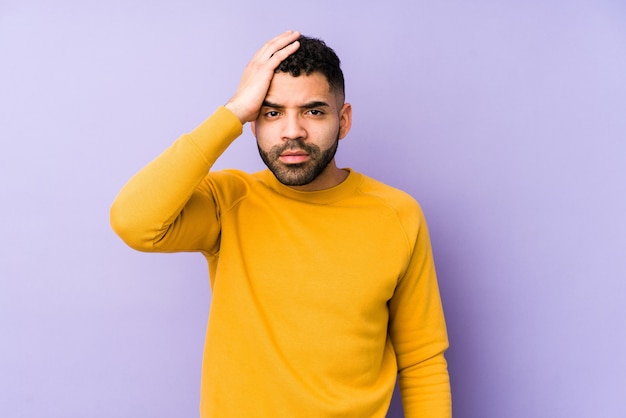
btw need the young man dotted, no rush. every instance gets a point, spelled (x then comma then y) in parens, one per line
(323, 282)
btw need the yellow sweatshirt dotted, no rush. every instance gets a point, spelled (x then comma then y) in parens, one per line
(318, 298)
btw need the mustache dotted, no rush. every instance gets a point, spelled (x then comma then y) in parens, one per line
(294, 144)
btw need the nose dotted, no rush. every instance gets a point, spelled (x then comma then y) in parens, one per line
(293, 127)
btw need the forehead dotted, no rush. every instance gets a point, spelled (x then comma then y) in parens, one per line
(286, 89)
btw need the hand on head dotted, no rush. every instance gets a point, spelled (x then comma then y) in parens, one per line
(258, 74)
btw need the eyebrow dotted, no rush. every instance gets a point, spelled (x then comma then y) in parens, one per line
(309, 105)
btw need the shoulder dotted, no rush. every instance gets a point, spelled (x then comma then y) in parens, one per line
(404, 207)
(227, 186)
(390, 196)
(228, 177)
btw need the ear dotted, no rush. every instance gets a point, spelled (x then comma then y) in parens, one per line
(253, 128)
(345, 120)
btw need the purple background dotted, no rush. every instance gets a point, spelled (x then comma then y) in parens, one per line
(505, 119)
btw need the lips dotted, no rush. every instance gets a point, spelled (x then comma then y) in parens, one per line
(294, 156)
(292, 152)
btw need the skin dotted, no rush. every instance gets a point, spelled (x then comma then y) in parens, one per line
(296, 120)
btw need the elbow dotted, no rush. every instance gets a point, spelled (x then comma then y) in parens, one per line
(126, 225)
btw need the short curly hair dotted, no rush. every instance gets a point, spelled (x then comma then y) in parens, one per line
(312, 56)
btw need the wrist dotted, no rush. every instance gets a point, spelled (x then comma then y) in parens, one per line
(241, 114)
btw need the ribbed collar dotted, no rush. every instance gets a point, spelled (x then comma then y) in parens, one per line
(318, 197)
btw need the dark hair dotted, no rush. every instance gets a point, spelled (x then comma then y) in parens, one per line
(314, 55)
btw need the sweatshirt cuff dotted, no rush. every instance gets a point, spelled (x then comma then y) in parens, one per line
(216, 133)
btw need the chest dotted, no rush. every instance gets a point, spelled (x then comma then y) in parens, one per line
(313, 254)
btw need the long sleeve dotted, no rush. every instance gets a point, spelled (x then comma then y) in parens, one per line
(419, 335)
(161, 207)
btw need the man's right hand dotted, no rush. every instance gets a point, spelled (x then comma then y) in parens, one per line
(258, 74)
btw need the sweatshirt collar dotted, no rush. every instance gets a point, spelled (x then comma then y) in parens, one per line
(319, 197)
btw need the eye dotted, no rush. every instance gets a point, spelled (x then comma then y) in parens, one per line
(315, 112)
(271, 114)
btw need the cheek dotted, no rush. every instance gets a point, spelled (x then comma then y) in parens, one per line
(328, 134)
(262, 132)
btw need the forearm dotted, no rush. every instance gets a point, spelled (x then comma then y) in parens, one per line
(154, 198)
(425, 389)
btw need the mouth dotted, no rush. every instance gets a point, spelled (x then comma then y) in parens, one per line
(293, 157)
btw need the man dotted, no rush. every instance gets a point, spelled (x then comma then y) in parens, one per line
(323, 282)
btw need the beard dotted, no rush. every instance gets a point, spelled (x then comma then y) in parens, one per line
(302, 173)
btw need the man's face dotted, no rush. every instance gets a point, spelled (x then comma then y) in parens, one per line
(298, 129)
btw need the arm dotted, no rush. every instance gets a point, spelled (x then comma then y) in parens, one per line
(418, 332)
(166, 206)
(148, 212)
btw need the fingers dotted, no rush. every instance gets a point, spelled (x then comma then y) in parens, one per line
(280, 47)
(280, 55)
